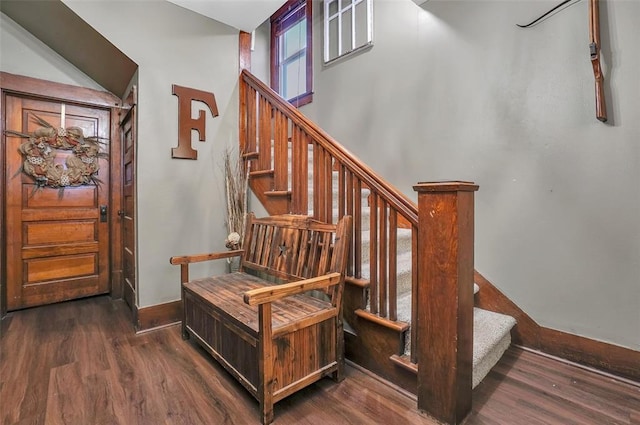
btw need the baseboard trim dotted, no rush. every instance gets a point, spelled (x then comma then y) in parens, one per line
(610, 358)
(579, 365)
(158, 315)
(603, 356)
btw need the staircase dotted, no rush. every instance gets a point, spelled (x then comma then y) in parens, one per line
(491, 331)
(297, 168)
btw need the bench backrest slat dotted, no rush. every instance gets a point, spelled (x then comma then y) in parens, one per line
(288, 247)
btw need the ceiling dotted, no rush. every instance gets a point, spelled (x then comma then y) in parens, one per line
(245, 15)
(72, 37)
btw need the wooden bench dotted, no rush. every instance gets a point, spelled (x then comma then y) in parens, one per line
(261, 323)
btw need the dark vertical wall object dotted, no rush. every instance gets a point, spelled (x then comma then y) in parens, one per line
(594, 50)
(185, 123)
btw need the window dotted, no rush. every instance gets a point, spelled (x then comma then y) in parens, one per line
(348, 27)
(291, 59)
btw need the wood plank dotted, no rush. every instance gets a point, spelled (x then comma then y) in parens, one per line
(280, 153)
(228, 291)
(264, 134)
(150, 377)
(373, 254)
(55, 232)
(265, 364)
(383, 255)
(277, 292)
(63, 250)
(74, 197)
(60, 267)
(393, 265)
(64, 290)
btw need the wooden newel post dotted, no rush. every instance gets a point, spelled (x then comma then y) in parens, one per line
(445, 299)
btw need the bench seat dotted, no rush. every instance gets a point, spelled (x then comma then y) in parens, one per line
(226, 293)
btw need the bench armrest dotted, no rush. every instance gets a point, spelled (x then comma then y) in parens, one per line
(276, 292)
(185, 260)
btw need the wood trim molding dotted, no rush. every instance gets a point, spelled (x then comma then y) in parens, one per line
(51, 90)
(606, 357)
(600, 355)
(3, 289)
(158, 315)
(244, 44)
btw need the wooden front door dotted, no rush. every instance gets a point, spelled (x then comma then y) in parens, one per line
(57, 241)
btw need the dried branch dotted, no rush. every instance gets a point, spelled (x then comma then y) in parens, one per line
(236, 190)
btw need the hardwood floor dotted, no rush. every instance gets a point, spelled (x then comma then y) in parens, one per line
(80, 363)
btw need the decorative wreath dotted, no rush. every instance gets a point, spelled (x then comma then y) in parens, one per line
(39, 152)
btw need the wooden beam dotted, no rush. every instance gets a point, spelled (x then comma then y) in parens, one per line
(244, 45)
(445, 299)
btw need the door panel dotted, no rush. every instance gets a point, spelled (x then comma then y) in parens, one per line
(57, 244)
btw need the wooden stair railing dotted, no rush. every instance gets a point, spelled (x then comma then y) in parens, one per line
(268, 124)
(277, 142)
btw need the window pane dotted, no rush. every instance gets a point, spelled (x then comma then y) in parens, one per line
(290, 62)
(294, 40)
(361, 24)
(346, 31)
(333, 38)
(333, 7)
(294, 78)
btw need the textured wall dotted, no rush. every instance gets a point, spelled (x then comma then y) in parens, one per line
(454, 90)
(23, 54)
(180, 202)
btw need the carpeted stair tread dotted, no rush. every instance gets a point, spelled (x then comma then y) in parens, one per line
(491, 338)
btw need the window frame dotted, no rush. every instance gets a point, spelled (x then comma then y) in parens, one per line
(337, 15)
(290, 14)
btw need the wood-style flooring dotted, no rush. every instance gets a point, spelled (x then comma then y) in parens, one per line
(81, 363)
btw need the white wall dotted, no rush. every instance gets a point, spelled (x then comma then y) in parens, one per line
(260, 60)
(180, 202)
(454, 90)
(24, 54)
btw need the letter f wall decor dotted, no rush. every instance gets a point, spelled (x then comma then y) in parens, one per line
(186, 123)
